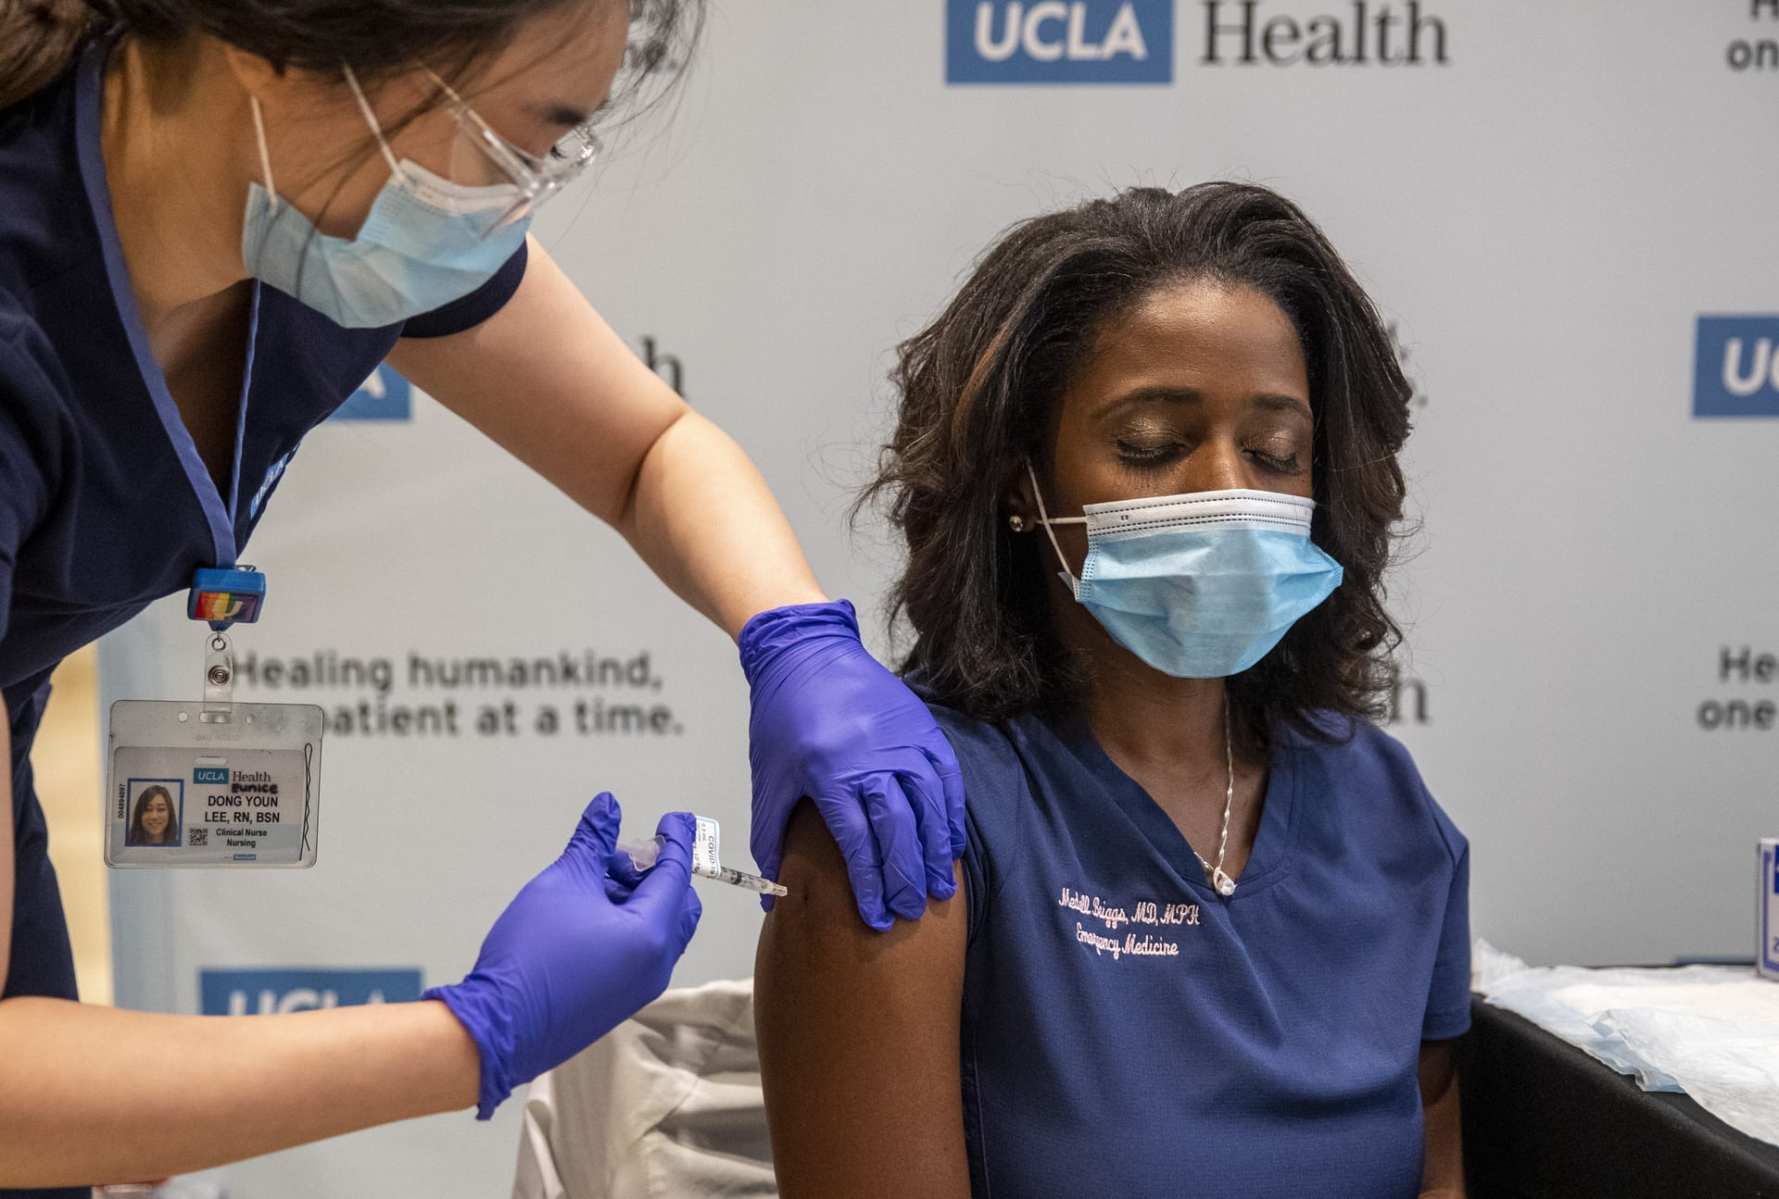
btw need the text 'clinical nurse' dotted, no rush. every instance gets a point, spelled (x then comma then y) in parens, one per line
(216, 218)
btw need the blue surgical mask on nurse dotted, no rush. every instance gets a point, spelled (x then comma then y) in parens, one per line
(427, 240)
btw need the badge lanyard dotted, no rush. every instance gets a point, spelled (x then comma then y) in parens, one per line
(209, 782)
(214, 782)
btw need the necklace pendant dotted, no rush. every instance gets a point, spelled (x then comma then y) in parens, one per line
(1224, 884)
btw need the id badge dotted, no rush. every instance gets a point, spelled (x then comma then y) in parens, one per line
(213, 783)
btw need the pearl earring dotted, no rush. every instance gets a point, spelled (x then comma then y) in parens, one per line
(1016, 522)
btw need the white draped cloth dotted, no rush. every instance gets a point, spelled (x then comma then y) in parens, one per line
(667, 1105)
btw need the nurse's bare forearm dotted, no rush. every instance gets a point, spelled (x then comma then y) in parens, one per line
(703, 519)
(548, 379)
(76, 1082)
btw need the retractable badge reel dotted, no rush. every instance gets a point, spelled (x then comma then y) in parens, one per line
(213, 782)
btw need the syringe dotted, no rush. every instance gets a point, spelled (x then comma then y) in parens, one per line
(706, 859)
(741, 878)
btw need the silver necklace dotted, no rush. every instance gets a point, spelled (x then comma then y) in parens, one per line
(1214, 874)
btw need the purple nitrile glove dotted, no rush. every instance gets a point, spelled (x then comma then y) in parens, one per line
(581, 947)
(831, 723)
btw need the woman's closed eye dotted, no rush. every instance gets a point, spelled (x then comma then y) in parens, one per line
(1140, 452)
(1278, 460)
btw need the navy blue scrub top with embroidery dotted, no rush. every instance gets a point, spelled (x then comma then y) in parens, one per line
(105, 504)
(1125, 1024)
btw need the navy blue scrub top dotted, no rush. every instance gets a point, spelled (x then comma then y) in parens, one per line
(1128, 1031)
(105, 505)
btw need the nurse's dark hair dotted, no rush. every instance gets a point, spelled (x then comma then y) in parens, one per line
(137, 833)
(40, 38)
(977, 391)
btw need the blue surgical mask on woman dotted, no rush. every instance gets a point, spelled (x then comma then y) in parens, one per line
(426, 242)
(1201, 585)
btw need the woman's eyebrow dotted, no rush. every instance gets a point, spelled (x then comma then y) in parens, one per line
(1160, 394)
(1153, 394)
(1277, 402)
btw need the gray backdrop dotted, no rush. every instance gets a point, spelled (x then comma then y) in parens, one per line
(1546, 215)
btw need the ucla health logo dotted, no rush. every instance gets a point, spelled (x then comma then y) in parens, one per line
(1059, 41)
(1736, 366)
(383, 396)
(272, 992)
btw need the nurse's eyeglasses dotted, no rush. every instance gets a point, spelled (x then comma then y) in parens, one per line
(480, 146)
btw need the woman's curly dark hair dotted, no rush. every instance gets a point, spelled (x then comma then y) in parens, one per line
(977, 389)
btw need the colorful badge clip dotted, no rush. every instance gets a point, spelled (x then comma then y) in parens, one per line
(225, 596)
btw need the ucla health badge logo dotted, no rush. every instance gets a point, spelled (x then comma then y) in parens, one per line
(1736, 366)
(1059, 41)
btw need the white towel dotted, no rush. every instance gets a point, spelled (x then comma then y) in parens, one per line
(1711, 1031)
(665, 1106)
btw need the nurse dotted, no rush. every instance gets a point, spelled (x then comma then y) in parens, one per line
(1214, 931)
(216, 218)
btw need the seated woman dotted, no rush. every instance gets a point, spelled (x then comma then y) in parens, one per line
(1212, 938)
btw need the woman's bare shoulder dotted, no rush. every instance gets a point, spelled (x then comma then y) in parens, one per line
(858, 1035)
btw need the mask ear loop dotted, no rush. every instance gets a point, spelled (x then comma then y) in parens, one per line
(265, 157)
(1068, 576)
(370, 119)
(449, 91)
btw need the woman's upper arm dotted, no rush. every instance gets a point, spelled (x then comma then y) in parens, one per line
(1442, 1169)
(5, 842)
(858, 1036)
(546, 378)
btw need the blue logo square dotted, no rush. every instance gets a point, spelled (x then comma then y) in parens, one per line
(383, 396)
(1736, 366)
(269, 992)
(1059, 41)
